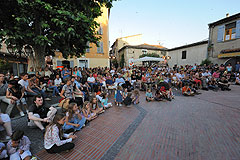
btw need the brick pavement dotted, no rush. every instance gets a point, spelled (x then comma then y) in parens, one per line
(201, 127)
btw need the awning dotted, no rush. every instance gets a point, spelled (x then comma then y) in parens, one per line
(148, 59)
(229, 55)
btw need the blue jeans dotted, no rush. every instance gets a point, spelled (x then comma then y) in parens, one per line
(37, 91)
(55, 90)
(75, 121)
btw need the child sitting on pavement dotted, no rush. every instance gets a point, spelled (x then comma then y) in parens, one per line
(19, 146)
(104, 102)
(186, 90)
(86, 111)
(128, 100)
(149, 95)
(74, 119)
(136, 96)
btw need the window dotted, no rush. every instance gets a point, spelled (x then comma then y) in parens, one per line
(230, 31)
(88, 49)
(100, 30)
(100, 47)
(184, 54)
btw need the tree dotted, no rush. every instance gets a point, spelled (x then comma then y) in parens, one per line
(206, 61)
(149, 55)
(49, 25)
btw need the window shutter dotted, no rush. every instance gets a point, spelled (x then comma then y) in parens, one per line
(99, 48)
(59, 63)
(71, 64)
(101, 45)
(88, 49)
(238, 29)
(220, 33)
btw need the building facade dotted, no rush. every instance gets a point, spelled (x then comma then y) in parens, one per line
(224, 40)
(123, 41)
(94, 56)
(188, 54)
(131, 52)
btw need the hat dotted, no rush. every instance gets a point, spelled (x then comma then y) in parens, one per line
(15, 77)
(12, 82)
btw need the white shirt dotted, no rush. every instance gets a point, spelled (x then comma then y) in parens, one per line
(91, 79)
(24, 83)
(58, 81)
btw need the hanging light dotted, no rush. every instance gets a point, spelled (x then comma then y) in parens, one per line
(10, 49)
(28, 50)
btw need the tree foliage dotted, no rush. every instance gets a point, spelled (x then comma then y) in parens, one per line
(149, 55)
(206, 61)
(49, 25)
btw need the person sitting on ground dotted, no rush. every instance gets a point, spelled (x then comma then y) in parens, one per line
(94, 106)
(186, 90)
(52, 86)
(3, 98)
(55, 141)
(15, 92)
(40, 112)
(128, 99)
(237, 81)
(104, 102)
(136, 96)
(149, 95)
(19, 146)
(58, 82)
(212, 84)
(74, 119)
(5, 124)
(86, 111)
(92, 82)
(25, 84)
(224, 84)
(3, 151)
(158, 96)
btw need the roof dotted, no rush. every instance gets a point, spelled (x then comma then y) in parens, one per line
(130, 36)
(189, 45)
(144, 46)
(225, 20)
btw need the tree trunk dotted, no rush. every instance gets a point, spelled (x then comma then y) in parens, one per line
(39, 56)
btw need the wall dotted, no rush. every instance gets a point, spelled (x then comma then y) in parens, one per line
(135, 53)
(195, 54)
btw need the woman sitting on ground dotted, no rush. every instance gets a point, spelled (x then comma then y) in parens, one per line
(54, 138)
(5, 124)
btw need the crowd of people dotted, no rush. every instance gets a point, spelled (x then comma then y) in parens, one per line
(85, 94)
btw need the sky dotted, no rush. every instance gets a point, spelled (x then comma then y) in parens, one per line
(170, 23)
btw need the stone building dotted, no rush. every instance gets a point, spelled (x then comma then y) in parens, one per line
(224, 40)
(188, 54)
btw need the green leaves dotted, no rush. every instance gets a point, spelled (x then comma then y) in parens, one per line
(53, 24)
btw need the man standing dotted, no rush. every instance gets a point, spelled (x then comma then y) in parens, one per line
(39, 113)
(3, 89)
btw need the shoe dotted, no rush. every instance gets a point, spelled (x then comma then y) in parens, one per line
(22, 114)
(27, 111)
(120, 104)
(47, 99)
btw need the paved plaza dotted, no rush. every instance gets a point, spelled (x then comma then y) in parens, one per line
(204, 127)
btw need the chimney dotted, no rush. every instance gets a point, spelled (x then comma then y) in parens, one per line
(227, 15)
